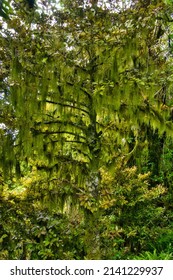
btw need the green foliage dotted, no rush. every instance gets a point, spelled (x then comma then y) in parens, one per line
(86, 126)
(29, 232)
(4, 9)
(154, 256)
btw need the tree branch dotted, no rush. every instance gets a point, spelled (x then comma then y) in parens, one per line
(67, 105)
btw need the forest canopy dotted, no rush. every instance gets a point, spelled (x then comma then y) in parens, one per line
(86, 111)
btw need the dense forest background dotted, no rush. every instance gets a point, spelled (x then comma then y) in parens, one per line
(86, 129)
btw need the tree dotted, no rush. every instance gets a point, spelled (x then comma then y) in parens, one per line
(83, 80)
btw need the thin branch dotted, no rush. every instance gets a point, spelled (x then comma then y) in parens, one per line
(68, 141)
(57, 132)
(67, 105)
(64, 123)
(83, 89)
(75, 102)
